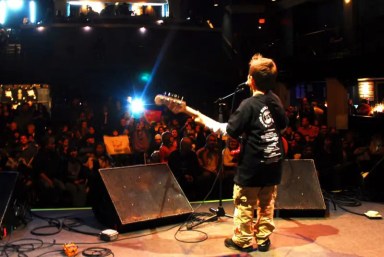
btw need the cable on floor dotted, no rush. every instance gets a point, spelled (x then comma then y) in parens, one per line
(343, 199)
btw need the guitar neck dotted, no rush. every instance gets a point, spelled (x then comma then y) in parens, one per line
(192, 112)
(202, 118)
(176, 106)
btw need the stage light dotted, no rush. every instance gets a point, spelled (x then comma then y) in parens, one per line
(366, 90)
(142, 30)
(8, 94)
(210, 24)
(87, 28)
(15, 4)
(378, 108)
(145, 76)
(3, 13)
(31, 93)
(32, 11)
(137, 107)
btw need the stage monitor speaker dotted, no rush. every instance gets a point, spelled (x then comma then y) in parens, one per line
(8, 218)
(299, 193)
(140, 196)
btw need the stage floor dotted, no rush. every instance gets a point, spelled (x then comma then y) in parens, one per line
(339, 234)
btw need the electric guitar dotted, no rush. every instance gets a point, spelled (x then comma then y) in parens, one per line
(177, 105)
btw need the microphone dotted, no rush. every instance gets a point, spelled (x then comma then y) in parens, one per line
(242, 86)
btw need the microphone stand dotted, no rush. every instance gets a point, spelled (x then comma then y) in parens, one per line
(219, 212)
(220, 99)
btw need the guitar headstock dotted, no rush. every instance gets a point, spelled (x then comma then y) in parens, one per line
(173, 102)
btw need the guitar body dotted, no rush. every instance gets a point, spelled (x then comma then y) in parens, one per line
(285, 145)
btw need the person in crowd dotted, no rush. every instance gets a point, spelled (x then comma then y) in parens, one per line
(31, 133)
(63, 146)
(201, 133)
(306, 110)
(162, 129)
(351, 107)
(154, 149)
(24, 116)
(176, 137)
(349, 146)
(104, 159)
(167, 146)
(47, 166)
(296, 146)
(188, 127)
(92, 132)
(289, 134)
(140, 142)
(309, 131)
(26, 153)
(174, 124)
(41, 119)
(319, 140)
(259, 121)
(210, 159)
(292, 115)
(64, 132)
(364, 108)
(10, 136)
(86, 146)
(185, 166)
(308, 151)
(124, 126)
(319, 113)
(82, 129)
(75, 179)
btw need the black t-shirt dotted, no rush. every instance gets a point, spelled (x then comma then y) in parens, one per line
(258, 122)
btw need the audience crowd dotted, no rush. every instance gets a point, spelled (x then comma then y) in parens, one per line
(58, 153)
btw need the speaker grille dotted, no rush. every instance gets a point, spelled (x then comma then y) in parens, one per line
(299, 193)
(144, 193)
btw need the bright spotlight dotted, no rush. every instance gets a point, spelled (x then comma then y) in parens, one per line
(137, 107)
(15, 4)
(142, 30)
(32, 11)
(9, 95)
(3, 9)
